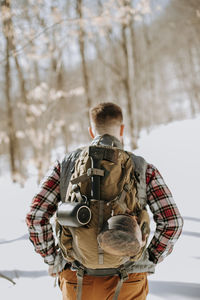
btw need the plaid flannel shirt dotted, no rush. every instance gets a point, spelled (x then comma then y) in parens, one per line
(165, 213)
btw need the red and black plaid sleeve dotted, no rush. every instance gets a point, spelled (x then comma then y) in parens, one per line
(43, 206)
(168, 220)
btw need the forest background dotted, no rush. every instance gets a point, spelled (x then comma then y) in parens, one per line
(59, 58)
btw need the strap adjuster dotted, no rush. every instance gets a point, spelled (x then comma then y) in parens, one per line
(95, 171)
(80, 272)
(123, 274)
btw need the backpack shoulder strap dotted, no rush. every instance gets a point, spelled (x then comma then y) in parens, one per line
(67, 168)
(140, 165)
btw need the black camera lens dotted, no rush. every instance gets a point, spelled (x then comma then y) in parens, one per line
(83, 215)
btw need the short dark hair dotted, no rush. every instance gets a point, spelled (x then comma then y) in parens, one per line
(105, 114)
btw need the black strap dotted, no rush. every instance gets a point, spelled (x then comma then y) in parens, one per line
(128, 266)
(96, 154)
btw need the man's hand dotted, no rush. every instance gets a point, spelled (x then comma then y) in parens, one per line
(51, 271)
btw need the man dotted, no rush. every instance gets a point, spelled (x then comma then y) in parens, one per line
(107, 129)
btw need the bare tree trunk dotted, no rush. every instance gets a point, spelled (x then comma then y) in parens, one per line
(10, 121)
(5, 7)
(184, 83)
(32, 84)
(21, 80)
(36, 72)
(13, 48)
(22, 85)
(56, 79)
(149, 72)
(136, 78)
(81, 41)
(126, 83)
(195, 94)
(59, 73)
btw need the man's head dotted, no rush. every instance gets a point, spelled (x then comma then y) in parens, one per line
(121, 236)
(106, 118)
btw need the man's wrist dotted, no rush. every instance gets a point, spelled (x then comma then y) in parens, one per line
(50, 259)
(152, 257)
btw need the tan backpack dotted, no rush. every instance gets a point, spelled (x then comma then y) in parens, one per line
(104, 181)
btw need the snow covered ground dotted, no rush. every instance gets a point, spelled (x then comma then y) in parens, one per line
(175, 150)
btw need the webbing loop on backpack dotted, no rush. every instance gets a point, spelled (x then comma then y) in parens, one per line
(85, 176)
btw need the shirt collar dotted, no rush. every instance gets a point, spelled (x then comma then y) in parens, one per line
(107, 140)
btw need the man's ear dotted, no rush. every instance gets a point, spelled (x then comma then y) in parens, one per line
(121, 129)
(91, 132)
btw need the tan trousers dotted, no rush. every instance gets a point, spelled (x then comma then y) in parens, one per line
(103, 288)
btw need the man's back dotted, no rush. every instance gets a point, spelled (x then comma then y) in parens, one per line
(117, 194)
